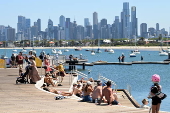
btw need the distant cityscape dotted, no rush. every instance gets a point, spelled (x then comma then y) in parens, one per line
(124, 26)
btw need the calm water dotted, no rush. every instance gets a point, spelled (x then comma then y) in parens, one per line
(136, 75)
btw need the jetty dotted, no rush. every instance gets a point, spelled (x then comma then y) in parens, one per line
(26, 98)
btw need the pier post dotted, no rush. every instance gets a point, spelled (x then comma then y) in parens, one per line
(169, 55)
(83, 65)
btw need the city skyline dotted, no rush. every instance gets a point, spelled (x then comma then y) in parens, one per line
(150, 12)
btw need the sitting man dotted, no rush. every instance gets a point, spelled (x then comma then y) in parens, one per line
(78, 91)
(48, 80)
(97, 92)
(108, 94)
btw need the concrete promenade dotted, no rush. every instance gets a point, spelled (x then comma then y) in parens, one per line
(25, 98)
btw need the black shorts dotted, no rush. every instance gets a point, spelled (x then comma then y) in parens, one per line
(61, 74)
(156, 100)
(114, 102)
(78, 95)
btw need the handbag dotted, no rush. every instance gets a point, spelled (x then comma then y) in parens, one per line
(161, 95)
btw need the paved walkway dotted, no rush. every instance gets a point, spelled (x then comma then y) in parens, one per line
(25, 98)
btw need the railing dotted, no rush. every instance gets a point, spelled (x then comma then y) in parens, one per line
(106, 79)
(129, 89)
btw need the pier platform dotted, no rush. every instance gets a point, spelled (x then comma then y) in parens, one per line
(26, 98)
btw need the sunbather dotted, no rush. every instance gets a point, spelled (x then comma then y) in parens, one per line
(48, 80)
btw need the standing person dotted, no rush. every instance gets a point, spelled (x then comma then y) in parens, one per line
(47, 64)
(13, 59)
(122, 57)
(20, 59)
(71, 57)
(119, 58)
(155, 89)
(61, 71)
(141, 58)
(34, 75)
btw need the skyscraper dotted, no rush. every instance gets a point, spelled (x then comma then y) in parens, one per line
(126, 22)
(86, 22)
(67, 29)
(157, 26)
(134, 23)
(143, 30)
(39, 25)
(62, 21)
(95, 25)
(50, 29)
(116, 28)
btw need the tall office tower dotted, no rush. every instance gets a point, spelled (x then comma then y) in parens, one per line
(126, 22)
(143, 30)
(80, 32)
(157, 26)
(89, 31)
(116, 28)
(95, 25)
(28, 23)
(134, 22)
(21, 24)
(50, 29)
(10, 34)
(151, 31)
(86, 22)
(39, 25)
(56, 31)
(103, 29)
(62, 21)
(67, 29)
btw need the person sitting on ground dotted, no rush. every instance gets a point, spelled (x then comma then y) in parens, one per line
(145, 103)
(48, 80)
(85, 81)
(97, 92)
(108, 94)
(87, 92)
(78, 91)
(57, 92)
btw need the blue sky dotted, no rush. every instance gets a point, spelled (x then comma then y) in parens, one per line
(148, 11)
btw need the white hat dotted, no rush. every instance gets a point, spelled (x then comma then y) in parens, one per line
(89, 83)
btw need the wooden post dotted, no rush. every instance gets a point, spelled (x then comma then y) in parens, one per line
(84, 66)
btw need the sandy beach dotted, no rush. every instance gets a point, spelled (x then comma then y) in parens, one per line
(153, 48)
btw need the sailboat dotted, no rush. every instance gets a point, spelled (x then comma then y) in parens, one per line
(111, 51)
(163, 53)
(98, 50)
(23, 50)
(132, 54)
(92, 53)
(14, 50)
(59, 52)
(66, 50)
(136, 51)
(53, 51)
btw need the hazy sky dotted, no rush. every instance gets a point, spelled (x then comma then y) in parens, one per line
(148, 11)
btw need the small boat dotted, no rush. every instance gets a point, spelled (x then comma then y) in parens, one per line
(78, 49)
(163, 53)
(92, 53)
(136, 51)
(53, 51)
(66, 50)
(132, 55)
(23, 50)
(168, 50)
(14, 50)
(59, 52)
(111, 51)
(87, 50)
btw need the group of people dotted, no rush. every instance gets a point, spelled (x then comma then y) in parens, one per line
(121, 58)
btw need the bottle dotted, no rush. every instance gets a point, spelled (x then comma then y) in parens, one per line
(95, 101)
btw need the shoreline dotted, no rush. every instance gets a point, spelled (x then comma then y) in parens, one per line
(154, 48)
